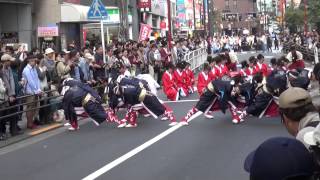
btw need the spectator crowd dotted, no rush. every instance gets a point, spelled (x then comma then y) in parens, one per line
(29, 81)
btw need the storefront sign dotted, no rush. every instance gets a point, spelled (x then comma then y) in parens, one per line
(144, 4)
(48, 31)
(72, 1)
(145, 31)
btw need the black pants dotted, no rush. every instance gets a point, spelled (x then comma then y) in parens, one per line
(206, 99)
(154, 105)
(261, 102)
(95, 111)
(12, 120)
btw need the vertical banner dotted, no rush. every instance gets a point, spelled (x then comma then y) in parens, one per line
(145, 31)
(144, 4)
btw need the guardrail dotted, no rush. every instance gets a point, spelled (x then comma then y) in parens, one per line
(308, 54)
(196, 58)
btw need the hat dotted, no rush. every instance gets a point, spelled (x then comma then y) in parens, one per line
(48, 51)
(7, 57)
(294, 97)
(89, 56)
(66, 51)
(279, 158)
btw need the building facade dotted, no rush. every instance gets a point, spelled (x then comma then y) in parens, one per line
(16, 22)
(236, 16)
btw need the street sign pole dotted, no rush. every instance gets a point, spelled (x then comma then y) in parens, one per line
(98, 11)
(103, 43)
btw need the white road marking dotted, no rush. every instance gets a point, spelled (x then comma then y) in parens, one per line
(131, 153)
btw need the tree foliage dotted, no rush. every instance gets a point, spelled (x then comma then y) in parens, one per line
(294, 18)
(314, 13)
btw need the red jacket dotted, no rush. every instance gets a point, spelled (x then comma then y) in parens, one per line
(169, 86)
(248, 72)
(262, 68)
(213, 74)
(180, 78)
(203, 81)
(190, 77)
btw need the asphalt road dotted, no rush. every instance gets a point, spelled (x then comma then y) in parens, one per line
(206, 149)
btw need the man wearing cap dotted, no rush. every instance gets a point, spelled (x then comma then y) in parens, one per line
(297, 111)
(86, 67)
(8, 79)
(63, 66)
(49, 62)
(280, 159)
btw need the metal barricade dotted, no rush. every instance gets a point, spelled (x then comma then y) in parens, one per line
(196, 58)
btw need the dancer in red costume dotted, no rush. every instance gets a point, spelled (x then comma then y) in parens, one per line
(180, 78)
(169, 85)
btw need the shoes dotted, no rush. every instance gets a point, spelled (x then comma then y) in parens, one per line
(122, 125)
(73, 128)
(241, 120)
(131, 125)
(164, 119)
(173, 124)
(235, 121)
(3, 137)
(34, 126)
(146, 115)
(184, 123)
(209, 116)
(67, 124)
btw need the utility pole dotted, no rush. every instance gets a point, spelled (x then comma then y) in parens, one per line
(194, 15)
(210, 15)
(169, 25)
(204, 17)
(124, 24)
(305, 18)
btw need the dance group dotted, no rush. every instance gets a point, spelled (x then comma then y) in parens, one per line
(252, 89)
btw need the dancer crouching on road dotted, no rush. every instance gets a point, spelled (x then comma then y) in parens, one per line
(218, 92)
(78, 94)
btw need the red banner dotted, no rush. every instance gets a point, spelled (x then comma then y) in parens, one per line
(144, 4)
(145, 31)
(163, 25)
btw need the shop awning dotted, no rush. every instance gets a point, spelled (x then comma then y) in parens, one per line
(76, 13)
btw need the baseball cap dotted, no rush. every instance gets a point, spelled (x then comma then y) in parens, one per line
(294, 97)
(279, 158)
(7, 57)
(48, 51)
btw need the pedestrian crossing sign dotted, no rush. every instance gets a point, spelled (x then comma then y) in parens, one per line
(97, 10)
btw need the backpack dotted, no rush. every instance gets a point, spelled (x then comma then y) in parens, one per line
(56, 79)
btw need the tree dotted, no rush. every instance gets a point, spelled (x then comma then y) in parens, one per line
(314, 13)
(294, 19)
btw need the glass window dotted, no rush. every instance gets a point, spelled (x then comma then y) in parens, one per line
(227, 5)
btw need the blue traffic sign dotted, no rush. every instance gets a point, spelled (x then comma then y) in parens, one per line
(97, 10)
